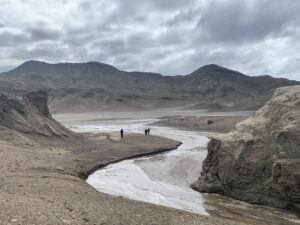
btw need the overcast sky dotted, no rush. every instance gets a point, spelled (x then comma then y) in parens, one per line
(166, 36)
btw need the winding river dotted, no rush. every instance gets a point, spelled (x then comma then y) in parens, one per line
(164, 179)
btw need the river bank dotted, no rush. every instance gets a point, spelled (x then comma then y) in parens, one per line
(41, 178)
(41, 184)
(164, 179)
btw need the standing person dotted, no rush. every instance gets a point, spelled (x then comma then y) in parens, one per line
(122, 133)
(148, 131)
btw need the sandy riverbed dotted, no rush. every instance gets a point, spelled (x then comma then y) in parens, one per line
(40, 181)
(164, 179)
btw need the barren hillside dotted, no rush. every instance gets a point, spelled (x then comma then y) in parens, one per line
(93, 86)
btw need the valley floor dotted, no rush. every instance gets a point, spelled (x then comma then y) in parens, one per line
(218, 124)
(41, 181)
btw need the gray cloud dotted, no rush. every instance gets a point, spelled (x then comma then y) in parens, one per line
(171, 4)
(171, 36)
(39, 53)
(242, 21)
(42, 33)
(9, 38)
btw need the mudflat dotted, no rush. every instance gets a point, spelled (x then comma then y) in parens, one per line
(41, 181)
(218, 124)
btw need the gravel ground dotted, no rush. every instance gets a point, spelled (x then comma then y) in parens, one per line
(41, 184)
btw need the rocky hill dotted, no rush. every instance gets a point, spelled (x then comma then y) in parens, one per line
(30, 114)
(94, 86)
(259, 161)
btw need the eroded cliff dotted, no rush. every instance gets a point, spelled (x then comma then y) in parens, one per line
(259, 161)
(30, 114)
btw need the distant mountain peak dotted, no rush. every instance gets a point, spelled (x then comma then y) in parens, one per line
(213, 69)
(36, 62)
(29, 66)
(32, 63)
(34, 66)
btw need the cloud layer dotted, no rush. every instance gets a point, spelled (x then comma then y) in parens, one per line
(171, 36)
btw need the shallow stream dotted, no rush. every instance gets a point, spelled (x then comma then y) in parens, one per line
(164, 179)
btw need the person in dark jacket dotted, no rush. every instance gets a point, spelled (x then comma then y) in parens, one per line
(122, 133)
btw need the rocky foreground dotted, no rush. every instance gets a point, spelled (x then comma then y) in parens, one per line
(42, 165)
(259, 161)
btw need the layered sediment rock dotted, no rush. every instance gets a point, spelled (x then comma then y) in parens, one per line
(30, 114)
(259, 161)
(40, 100)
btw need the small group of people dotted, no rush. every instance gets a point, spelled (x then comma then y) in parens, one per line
(147, 132)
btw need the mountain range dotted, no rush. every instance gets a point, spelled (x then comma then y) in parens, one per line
(93, 86)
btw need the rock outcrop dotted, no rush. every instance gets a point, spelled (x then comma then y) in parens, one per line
(40, 100)
(30, 114)
(259, 161)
